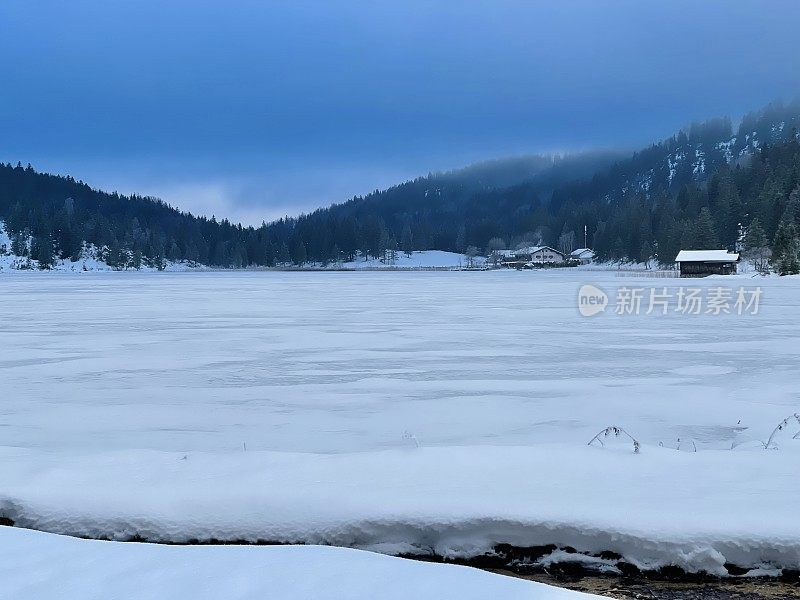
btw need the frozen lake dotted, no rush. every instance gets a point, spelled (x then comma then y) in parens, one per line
(340, 362)
(127, 402)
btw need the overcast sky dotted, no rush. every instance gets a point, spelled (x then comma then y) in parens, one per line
(255, 109)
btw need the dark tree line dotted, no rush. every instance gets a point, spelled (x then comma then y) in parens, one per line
(705, 187)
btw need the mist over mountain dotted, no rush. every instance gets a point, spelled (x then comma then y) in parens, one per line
(635, 206)
(508, 171)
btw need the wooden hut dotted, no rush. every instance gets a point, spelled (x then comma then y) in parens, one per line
(700, 263)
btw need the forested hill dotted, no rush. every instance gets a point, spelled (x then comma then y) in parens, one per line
(616, 203)
(700, 188)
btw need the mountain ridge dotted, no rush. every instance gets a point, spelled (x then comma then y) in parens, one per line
(546, 199)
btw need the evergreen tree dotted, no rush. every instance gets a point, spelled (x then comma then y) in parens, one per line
(42, 250)
(19, 242)
(391, 251)
(704, 233)
(347, 236)
(646, 253)
(115, 257)
(785, 248)
(770, 205)
(136, 259)
(407, 240)
(284, 257)
(383, 247)
(461, 239)
(728, 207)
(790, 262)
(299, 255)
(756, 246)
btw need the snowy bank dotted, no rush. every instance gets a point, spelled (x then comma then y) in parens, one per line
(48, 567)
(661, 507)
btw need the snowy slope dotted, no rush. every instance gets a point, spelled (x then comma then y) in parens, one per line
(48, 567)
(660, 507)
(89, 261)
(290, 395)
(681, 159)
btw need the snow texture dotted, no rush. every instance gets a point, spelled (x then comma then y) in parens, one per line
(49, 567)
(402, 412)
(706, 256)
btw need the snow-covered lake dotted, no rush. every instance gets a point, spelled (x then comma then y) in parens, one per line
(344, 362)
(127, 402)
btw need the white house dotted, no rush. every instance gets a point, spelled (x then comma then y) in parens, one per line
(545, 254)
(584, 255)
(522, 257)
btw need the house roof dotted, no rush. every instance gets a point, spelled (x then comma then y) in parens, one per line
(581, 251)
(706, 256)
(526, 250)
(534, 249)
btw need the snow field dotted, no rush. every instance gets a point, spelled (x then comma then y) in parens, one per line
(289, 394)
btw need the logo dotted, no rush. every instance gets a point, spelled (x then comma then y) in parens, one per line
(664, 300)
(591, 300)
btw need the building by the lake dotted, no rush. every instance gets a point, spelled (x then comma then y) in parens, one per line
(584, 255)
(700, 263)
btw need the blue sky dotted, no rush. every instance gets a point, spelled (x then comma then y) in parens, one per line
(255, 109)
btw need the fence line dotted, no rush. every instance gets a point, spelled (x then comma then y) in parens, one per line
(650, 274)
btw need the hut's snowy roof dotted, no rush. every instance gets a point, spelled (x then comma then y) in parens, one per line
(706, 256)
(581, 252)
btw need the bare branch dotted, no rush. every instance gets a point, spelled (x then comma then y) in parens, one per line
(616, 432)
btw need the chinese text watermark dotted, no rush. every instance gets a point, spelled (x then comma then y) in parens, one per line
(683, 300)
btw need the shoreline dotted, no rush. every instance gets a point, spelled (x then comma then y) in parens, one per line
(663, 584)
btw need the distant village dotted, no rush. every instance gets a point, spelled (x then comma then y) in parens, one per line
(530, 257)
(690, 263)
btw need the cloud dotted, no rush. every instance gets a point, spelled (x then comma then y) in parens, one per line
(245, 192)
(273, 107)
